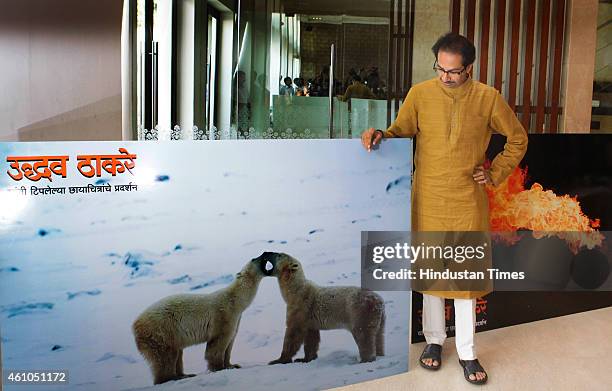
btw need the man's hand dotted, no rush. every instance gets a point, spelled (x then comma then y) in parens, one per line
(482, 175)
(370, 138)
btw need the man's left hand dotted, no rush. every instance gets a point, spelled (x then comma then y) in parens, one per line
(482, 175)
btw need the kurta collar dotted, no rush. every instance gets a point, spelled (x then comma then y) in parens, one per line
(456, 92)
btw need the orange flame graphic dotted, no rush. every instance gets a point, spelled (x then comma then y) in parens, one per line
(512, 207)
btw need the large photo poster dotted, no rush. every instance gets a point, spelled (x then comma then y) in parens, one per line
(216, 265)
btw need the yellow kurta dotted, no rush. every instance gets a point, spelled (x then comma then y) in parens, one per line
(453, 128)
(359, 91)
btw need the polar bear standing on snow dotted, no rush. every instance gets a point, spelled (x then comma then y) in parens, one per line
(311, 308)
(170, 325)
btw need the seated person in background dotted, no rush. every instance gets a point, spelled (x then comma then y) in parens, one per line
(349, 79)
(300, 88)
(321, 83)
(357, 90)
(373, 79)
(287, 89)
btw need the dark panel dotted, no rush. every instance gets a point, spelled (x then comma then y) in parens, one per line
(149, 121)
(455, 15)
(411, 38)
(556, 75)
(484, 40)
(527, 70)
(533, 109)
(541, 92)
(199, 63)
(174, 67)
(134, 53)
(471, 17)
(410, 46)
(391, 51)
(503, 309)
(399, 46)
(499, 43)
(516, 20)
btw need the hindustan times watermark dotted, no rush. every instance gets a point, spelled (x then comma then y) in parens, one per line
(424, 274)
(485, 261)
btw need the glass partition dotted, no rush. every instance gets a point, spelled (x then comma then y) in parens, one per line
(310, 69)
(601, 120)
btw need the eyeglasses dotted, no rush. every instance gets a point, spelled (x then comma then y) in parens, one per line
(451, 73)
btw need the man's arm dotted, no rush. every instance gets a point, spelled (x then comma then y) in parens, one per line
(347, 94)
(405, 125)
(504, 121)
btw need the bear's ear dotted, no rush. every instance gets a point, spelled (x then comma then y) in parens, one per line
(294, 266)
(238, 275)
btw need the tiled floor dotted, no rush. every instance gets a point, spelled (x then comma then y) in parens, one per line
(572, 352)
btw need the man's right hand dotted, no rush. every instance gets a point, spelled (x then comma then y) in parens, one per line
(370, 138)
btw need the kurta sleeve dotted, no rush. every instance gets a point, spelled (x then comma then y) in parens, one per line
(504, 121)
(405, 125)
(347, 94)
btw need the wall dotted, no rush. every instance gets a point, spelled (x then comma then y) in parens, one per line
(363, 45)
(603, 54)
(366, 45)
(60, 70)
(580, 65)
(357, 46)
(430, 22)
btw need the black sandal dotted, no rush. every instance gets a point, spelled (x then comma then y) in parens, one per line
(470, 367)
(434, 352)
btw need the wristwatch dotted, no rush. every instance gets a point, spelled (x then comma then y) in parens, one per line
(382, 134)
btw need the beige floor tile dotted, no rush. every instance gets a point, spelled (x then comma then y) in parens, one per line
(571, 352)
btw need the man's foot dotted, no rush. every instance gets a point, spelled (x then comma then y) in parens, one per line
(473, 371)
(431, 358)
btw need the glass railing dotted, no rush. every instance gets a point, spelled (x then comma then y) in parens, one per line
(291, 117)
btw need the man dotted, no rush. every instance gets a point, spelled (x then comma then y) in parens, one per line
(287, 89)
(357, 90)
(453, 117)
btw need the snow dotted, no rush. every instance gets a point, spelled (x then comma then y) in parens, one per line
(77, 269)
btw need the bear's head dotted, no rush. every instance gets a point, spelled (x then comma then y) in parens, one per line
(264, 263)
(254, 269)
(280, 265)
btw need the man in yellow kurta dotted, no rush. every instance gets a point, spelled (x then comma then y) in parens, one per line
(357, 90)
(453, 118)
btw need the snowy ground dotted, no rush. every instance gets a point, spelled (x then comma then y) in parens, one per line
(76, 270)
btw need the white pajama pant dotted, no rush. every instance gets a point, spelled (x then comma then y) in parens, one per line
(434, 324)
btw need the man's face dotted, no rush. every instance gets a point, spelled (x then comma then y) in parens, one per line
(455, 74)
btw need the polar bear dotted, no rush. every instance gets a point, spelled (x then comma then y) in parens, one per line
(311, 308)
(170, 325)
